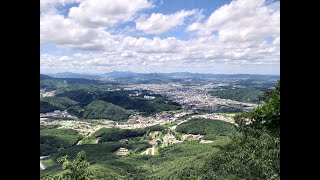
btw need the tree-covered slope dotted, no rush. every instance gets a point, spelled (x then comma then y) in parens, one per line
(52, 139)
(49, 104)
(208, 127)
(238, 94)
(170, 163)
(102, 110)
(122, 99)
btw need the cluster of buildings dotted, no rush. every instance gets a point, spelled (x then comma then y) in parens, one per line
(192, 97)
(170, 139)
(44, 93)
(57, 114)
(138, 121)
(191, 136)
(122, 151)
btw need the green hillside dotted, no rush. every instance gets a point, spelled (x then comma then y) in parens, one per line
(208, 127)
(238, 94)
(53, 140)
(49, 104)
(102, 110)
(121, 99)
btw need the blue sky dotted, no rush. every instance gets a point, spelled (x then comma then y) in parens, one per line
(209, 36)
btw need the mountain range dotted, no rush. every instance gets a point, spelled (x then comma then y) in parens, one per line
(129, 74)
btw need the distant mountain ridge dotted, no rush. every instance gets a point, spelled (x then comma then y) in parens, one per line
(44, 77)
(121, 73)
(72, 75)
(159, 76)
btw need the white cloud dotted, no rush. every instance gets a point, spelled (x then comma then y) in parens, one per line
(80, 29)
(66, 33)
(49, 6)
(159, 23)
(242, 20)
(104, 13)
(64, 58)
(155, 45)
(247, 38)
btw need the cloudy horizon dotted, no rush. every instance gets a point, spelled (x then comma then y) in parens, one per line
(218, 37)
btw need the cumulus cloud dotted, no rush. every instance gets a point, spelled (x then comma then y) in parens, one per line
(155, 45)
(104, 13)
(243, 35)
(49, 6)
(159, 23)
(84, 26)
(66, 33)
(241, 20)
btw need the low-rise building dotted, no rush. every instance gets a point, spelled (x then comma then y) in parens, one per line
(188, 136)
(123, 150)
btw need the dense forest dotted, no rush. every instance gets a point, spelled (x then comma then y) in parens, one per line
(208, 127)
(52, 139)
(49, 104)
(116, 134)
(95, 103)
(122, 99)
(102, 110)
(238, 94)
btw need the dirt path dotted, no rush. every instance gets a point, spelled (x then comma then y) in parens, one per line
(173, 128)
(42, 167)
(146, 152)
(87, 136)
(152, 151)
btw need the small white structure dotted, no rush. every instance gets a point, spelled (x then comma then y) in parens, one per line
(149, 97)
(123, 150)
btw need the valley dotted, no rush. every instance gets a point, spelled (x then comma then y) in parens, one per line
(128, 128)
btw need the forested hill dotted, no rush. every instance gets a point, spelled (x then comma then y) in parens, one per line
(239, 94)
(44, 77)
(75, 95)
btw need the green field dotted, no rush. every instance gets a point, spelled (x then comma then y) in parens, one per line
(230, 114)
(68, 124)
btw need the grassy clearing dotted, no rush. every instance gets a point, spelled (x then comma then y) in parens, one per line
(229, 114)
(169, 125)
(68, 124)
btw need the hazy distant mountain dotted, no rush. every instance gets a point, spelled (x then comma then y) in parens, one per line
(162, 76)
(43, 77)
(128, 74)
(72, 75)
(120, 74)
(48, 82)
